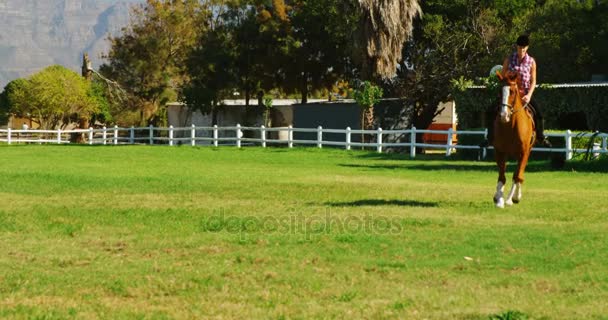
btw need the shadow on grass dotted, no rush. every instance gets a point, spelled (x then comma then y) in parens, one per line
(381, 202)
(600, 166)
(441, 162)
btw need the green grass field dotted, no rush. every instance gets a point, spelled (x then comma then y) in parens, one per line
(177, 232)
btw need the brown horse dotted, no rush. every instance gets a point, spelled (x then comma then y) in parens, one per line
(514, 136)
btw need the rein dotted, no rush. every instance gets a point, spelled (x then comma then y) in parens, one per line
(512, 108)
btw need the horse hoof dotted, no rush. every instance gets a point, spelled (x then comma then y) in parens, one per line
(509, 202)
(516, 201)
(500, 203)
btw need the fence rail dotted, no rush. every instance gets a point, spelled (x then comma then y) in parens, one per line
(194, 135)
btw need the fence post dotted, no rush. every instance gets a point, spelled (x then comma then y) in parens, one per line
(151, 135)
(58, 136)
(239, 134)
(90, 135)
(105, 135)
(320, 136)
(170, 135)
(193, 135)
(132, 135)
(8, 136)
(290, 136)
(568, 145)
(348, 138)
(379, 140)
(605, 143)
(115, 135)
(413, 142)
(215, 136)
(448, 150)
(263, 135)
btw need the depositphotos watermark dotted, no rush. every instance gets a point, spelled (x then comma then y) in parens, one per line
(296, 223)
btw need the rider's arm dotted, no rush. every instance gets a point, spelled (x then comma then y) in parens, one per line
(532, 79)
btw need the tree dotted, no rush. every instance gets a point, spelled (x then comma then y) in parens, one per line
(53, 97)
(321, 53)
(14, 99)
(367, 96)
(461, 38)
(211, 71)
(569, 39)
(149, 57)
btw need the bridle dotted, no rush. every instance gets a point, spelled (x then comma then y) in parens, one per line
(511, 107)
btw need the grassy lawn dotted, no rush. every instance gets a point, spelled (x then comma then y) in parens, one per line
(159, 233)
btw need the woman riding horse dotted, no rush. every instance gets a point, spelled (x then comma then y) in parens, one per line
(522, 64)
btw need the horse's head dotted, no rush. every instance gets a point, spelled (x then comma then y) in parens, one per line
(511, 99)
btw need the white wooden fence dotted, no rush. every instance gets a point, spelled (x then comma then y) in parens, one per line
(234, 136)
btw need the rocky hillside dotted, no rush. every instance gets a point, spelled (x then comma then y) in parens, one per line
(38, 33)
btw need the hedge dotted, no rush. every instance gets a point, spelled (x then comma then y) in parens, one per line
(558, 103)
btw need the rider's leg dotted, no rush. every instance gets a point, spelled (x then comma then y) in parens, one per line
(491, 113)
(490, 118)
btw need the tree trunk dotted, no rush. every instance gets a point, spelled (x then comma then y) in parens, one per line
(304, 89)
(367, 122)
(83, 123)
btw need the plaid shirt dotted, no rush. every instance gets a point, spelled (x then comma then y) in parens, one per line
(523, 69)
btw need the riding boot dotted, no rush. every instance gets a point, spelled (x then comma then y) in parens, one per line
(490, 117)
(540, 132)
(490, 138)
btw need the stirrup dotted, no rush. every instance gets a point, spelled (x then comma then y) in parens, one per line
(544, 143)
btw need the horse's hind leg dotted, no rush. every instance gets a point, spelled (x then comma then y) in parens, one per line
(501, 161)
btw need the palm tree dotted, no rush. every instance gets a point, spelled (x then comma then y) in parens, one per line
(387, 25)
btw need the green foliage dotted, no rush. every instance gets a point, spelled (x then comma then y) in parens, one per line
(148, 58)
(4, 116)
(14, 98)
(54, 97)
(556, 103)
(569, 39)
(461, 83)
(255, 47)
(322, 30)
(471, 140)
(97, 91)
(268, 102)
(368, 94)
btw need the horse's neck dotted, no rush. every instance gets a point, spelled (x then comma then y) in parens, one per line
(518, 104)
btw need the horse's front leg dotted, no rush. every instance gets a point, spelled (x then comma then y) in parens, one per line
(518, 175)
(514, 195)
(501, 161)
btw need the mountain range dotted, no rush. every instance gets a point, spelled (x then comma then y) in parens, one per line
(35, 34)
